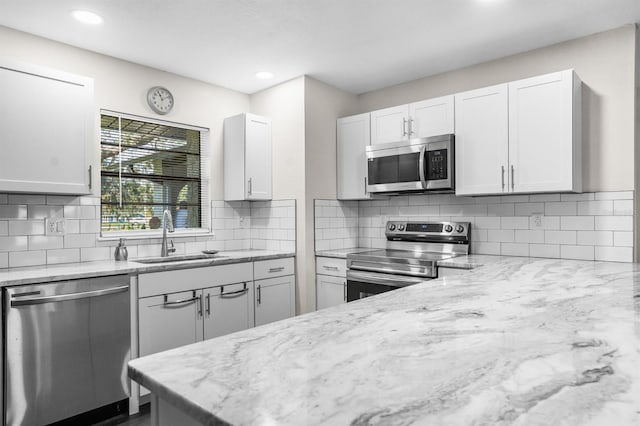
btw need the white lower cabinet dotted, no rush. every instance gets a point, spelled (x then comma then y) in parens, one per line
(275, 290)
(187, 305)
(227, 309)
(168, 321)
(331, 291)
(331, 282)
(275, 299)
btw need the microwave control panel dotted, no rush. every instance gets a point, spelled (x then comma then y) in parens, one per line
(437, 164)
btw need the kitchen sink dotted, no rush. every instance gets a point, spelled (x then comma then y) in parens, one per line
(178, 258)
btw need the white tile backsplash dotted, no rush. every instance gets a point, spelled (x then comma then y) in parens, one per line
(23, 241)
(575, 226)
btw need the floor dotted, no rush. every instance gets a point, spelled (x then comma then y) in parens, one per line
(143, 418)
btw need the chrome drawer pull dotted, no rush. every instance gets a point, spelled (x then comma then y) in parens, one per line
(179, 302)
(233, 293)
(278, 269)
(330, 268)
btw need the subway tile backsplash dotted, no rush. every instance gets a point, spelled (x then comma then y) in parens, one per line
(267, 225)
(591, 226)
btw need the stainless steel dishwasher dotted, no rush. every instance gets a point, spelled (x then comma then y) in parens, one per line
(67, 345)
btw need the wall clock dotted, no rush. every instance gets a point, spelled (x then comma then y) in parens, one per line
(160, 100)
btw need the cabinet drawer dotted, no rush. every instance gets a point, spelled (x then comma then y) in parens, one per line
(331, 266)
(273, 268)
(156, 283)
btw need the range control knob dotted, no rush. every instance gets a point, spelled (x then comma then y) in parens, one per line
(460, 229)
(448, 228)
(392, 227)
(400, 227)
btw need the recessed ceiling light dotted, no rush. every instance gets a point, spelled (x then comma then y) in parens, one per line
(87, 17)
(263, 75)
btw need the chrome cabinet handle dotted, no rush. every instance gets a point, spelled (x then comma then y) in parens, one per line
(344, 286)
(404, 126)
(208, 306)
(259, 295)
(179, 302)
(199, 304)
(233, 293)
(250, 186)
(90, 177)
(502, 177)
(330, 268)
(410, 126)
(513, 177)
(70, 296)
(365, 185)
(278, 269)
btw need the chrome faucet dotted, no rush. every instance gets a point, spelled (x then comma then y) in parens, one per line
(167, 220)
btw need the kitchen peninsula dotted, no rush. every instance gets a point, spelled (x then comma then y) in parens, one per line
(517, 341)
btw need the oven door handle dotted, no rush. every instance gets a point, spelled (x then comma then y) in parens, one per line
(384, 279)
(390, 271)
(423, 179)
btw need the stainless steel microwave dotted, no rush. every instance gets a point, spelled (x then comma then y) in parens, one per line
(423, 164)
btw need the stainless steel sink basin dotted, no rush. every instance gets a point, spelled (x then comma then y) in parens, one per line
(178, 258)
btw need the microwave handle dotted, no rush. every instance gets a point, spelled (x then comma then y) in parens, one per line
(423, 179)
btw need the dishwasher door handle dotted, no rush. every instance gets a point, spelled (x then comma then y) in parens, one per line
(63, 297)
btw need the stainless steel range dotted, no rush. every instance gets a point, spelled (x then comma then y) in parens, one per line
(410, 257)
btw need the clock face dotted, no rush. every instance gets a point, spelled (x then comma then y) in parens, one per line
(160, 99)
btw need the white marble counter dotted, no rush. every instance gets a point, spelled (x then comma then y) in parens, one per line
(518, 341)
(69, 271)
(342, 253)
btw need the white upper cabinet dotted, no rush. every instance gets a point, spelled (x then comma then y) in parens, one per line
(352, 135)
(430, 117)
(482, 140)
(545, 133)
(247, 158)
(520, 137)
(47, 132)
(390, 125)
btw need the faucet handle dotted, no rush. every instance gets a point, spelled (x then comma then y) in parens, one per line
(172, 249)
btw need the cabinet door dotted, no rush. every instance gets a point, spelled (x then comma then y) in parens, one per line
(169, 321)
(331, 291)
(544, 149)
(258, 157)
(432, 117)
(275, 299)
(227, 309)
(353, 136)
(390, 125)
(481, 124)
(47, 130)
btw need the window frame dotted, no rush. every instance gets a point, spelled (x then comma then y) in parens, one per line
(205, 228)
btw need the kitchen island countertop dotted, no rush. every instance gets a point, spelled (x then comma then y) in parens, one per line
(517, 341)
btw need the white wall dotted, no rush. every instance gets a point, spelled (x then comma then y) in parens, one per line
(284, 104)
(606, 64)
(323, 105)
(122, 86)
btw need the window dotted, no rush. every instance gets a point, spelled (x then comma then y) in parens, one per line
(148, 167)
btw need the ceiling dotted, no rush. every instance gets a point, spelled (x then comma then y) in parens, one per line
(355, 45)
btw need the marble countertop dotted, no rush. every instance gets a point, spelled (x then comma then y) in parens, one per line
(69, 271)
(342, 253)
(518, 341)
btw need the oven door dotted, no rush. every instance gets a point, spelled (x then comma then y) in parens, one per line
(362, 284)
(395, 167)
